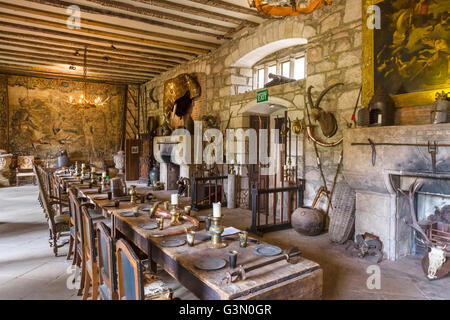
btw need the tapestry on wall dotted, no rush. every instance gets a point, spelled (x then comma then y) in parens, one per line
(411, 48)
(3, 113)
(43, 123)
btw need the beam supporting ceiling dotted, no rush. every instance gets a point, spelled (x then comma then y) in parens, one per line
(128, 41)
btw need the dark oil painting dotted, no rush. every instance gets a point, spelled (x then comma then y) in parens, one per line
(412, 47)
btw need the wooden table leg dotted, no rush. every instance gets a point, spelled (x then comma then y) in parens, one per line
(151, 263)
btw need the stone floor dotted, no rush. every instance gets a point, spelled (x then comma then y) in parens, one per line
(29, 270)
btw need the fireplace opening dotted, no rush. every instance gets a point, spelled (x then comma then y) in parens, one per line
(433, 215)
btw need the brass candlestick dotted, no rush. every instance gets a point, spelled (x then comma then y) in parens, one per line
(93, 181)
(175, 220)
(133, 194)
(216, 231)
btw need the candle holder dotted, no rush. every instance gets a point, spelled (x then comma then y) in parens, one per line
(153, 209)
(216, 231)
(93, 181)
(133, 194)
(175, 213)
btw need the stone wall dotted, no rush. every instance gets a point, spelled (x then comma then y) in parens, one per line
(42, 123)
(332, 42)
(3, 113)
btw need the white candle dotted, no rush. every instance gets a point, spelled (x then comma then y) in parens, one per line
(93, 169)
(83, 166)
(174, 198)
(104, 174)
(217, 209)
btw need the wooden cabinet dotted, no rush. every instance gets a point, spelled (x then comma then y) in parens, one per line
(132, 154)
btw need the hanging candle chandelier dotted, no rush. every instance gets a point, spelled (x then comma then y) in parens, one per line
(84, 102)
(283, 8)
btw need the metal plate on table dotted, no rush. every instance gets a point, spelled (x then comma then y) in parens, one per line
(201, 218)
(109, 205)
(127, 214)
(173, 243)
(267, 250)
(148, 226)
(145, 208)
(100, 197)
(210, 263)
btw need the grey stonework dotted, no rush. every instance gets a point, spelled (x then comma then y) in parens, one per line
(333, 54)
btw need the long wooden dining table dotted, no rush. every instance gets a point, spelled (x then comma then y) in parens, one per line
(280, 280)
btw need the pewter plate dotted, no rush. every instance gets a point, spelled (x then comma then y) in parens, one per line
(145, 208)
(148, 226)
(100, 197)
(202, 237)
(173, 243)
(201, 218)
(127, 214)
(266, 250)
(210, 264)
(109, 205)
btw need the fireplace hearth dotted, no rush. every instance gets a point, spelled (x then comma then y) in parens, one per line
(380, 210)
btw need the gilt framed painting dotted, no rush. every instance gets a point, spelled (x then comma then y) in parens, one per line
(406, 49)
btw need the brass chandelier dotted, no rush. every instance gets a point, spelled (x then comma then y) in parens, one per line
(84, 102)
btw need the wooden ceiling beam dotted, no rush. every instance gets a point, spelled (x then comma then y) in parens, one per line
(105, 12)
(16, 70)
(228, 6)
(91, 71)
(42, 70)
(70, 56)
(160, 51)
(116, 27)
(196, 11)
(91, 66)
(160, 15)
(126, 53)
(62, 26)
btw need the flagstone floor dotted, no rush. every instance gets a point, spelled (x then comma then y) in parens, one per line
(29, 270)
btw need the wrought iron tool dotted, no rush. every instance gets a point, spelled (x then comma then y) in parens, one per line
(432, 149)
(374, 152)
(291, 255)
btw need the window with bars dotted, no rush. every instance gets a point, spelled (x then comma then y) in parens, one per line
(290, 67)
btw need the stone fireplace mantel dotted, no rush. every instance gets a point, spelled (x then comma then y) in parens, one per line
(376, 197)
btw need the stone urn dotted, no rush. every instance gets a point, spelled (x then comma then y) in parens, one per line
(5, 162)
(307, 221)
(119, 161)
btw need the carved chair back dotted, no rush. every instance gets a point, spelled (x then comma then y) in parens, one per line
(106, 261)
(129, 272)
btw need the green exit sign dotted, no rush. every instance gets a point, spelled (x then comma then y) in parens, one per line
(262, 96)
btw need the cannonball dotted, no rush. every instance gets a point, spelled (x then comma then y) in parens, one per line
(307, 221)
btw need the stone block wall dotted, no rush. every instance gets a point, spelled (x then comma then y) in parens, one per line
(333, 53)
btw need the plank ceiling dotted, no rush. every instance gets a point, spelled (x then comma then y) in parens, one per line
(128, 41)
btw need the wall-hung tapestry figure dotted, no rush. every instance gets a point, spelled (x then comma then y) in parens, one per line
(411, 48)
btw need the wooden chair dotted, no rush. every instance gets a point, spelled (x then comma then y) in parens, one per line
(57, 191)
(90, 256)
(79, 245)
(73, 243)
(24, 169)
(57, 225)
(106, 263)
(132, 282)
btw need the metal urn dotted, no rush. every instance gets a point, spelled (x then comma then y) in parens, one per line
(439, 113)
(63, 159)
(307, 221)
(381, 108)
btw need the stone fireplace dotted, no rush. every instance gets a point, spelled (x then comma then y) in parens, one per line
(380, 209)
(171, 162)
